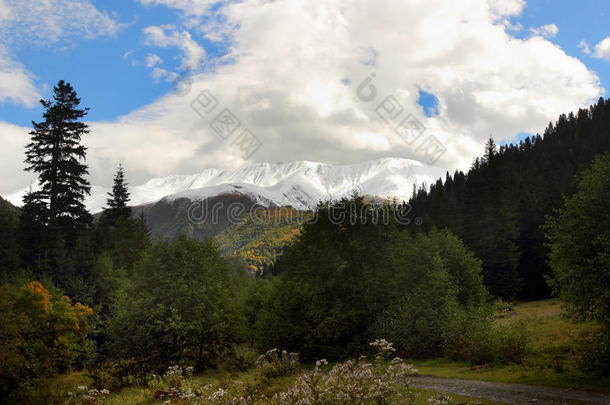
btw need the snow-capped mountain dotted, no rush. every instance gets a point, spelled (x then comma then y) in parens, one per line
(300, 184)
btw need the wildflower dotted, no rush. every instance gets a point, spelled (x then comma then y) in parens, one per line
(321, 362)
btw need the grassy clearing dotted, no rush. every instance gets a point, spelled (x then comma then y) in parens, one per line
(552, 354)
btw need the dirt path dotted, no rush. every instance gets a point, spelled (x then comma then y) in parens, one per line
(510, 393)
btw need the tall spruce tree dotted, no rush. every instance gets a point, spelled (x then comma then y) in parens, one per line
(119, 197)
(491, 150)
(54, 217)
(124, 238)
(58, 157)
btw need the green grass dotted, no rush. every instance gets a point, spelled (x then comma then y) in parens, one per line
(552, 358)
(131, 396)
(143, 396)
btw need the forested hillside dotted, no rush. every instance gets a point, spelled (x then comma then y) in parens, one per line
(258, 240)
(499, 205)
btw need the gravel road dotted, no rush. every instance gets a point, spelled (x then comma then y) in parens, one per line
(510, 393)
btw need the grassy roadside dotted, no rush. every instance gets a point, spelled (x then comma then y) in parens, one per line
(139, 395)
(142, 396)
(552, 355)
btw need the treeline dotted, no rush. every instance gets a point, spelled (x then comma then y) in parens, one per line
(499, 206)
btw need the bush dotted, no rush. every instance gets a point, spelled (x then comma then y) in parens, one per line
(417, 318)
(241, 358)
(595, 352)
(511, 342)
(115, 374)
(502, 306)
(40, 336)
(579, 238)
(354, 381)
(275, 363)
(383, 348)
(473, 336)
(84, 395)
(351, 382)
(183, 305)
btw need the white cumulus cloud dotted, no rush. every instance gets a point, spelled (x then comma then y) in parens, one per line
(189, 7)
(153, 59)
(168, 36)
(584, 46)
(16, 83)
(602, 49)
(546, 31)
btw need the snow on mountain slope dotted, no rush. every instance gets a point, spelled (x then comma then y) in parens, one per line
(300, 184)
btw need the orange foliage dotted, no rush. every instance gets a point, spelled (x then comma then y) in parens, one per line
(83, 309)
(41, 294)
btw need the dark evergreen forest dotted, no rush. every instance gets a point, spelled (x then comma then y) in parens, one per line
(499, 206)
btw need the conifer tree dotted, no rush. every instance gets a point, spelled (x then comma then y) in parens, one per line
(56, 154)
(119, 197)
(117, 233)
(53, 218)
(491, 150)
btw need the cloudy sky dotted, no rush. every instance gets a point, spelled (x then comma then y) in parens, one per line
(328, 80)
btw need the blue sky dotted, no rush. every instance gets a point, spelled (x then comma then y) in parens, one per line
(290, 69)
(109, 72)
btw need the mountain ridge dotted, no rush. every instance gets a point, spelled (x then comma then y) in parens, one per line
(299, 184)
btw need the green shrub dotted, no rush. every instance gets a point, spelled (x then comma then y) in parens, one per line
(473, 336)
(172, 384)
(276, 363)
(511, 342)
(241, 358)
(595, 352)
(183, 305)
(108, 375)
(501, 306)
(579, 238)
(467, 336)
(414, 322)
